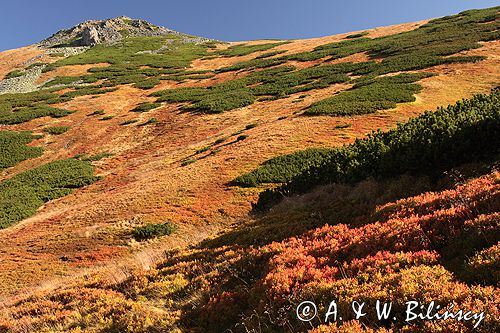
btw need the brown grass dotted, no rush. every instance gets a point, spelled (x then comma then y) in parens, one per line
(12, 59)
(75, 70)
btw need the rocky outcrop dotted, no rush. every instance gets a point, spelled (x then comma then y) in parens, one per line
(22, 84)
(109, 31)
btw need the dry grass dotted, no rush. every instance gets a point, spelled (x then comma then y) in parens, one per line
(76, 70)
(12, 59)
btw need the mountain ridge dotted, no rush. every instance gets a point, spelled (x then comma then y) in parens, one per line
(108, 31)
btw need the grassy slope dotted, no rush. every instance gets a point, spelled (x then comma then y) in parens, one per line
(438, 245)
(146, 182)
(428, 144)
(381, 241)
(432, 44)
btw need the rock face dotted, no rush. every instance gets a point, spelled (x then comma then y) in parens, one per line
(109, 31)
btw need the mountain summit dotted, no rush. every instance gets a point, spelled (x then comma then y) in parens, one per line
(107, 31)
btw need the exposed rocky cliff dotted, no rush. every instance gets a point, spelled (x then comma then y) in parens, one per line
(104, 32)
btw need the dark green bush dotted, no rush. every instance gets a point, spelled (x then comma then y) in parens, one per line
(370, 96)
(279, 82)
(219, 141)
(202, 150)
(358, 35)
(97, 113)
(270, 54)
(281, 169)
(128, 122)
(241, 137)
(243, 49)
(147, 84)
(28, 113)
(24, 193)
(188, 161)
(62, 80)
(14, 148)
(56, 129)
(250, 126)
(87, 90)
(429, 45)
(256, 63)
(151, 121)
(23, 107)
(135, 60)
(430, 144)
(144, 107)
(153, 231)
(14, 73)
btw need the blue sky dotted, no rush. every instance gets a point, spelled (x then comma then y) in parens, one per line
(26, 22)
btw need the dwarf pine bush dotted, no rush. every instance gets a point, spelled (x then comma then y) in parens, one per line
(431, 143)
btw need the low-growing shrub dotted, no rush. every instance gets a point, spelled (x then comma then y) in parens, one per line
(430, 143)
(244, 49)
(153, 231)
(358, 35)
(62, 80)
(87, 90)
(270, 54)
(28, 113)
(278, 82)
(202, 150)
(370, 96)
(14, 73)
(56, 129)
(250, 126)
(97, 113)
(219, 141)
(188, 161)
(241, 137)
(151, 121)
(147, 84)
(22, 194)
(144, 107)
(281, 169)
(128, 122)
(14, 148)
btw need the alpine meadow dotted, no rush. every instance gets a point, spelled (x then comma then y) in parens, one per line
(157, 181)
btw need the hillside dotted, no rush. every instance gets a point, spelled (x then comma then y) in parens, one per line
(143, 171)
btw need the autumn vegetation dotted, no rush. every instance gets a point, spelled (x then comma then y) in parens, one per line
(368, 240)
(407, 212)
(427, 144)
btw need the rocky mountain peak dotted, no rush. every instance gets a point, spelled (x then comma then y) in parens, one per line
(108, 31)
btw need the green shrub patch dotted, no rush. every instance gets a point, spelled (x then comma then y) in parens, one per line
(431, 143)
(56, 129)
(14, 73)
(144, 107)
(432, 44)
(24, 193)
(153, 231)
(14, 148)
(244, 49)
(370, 95)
